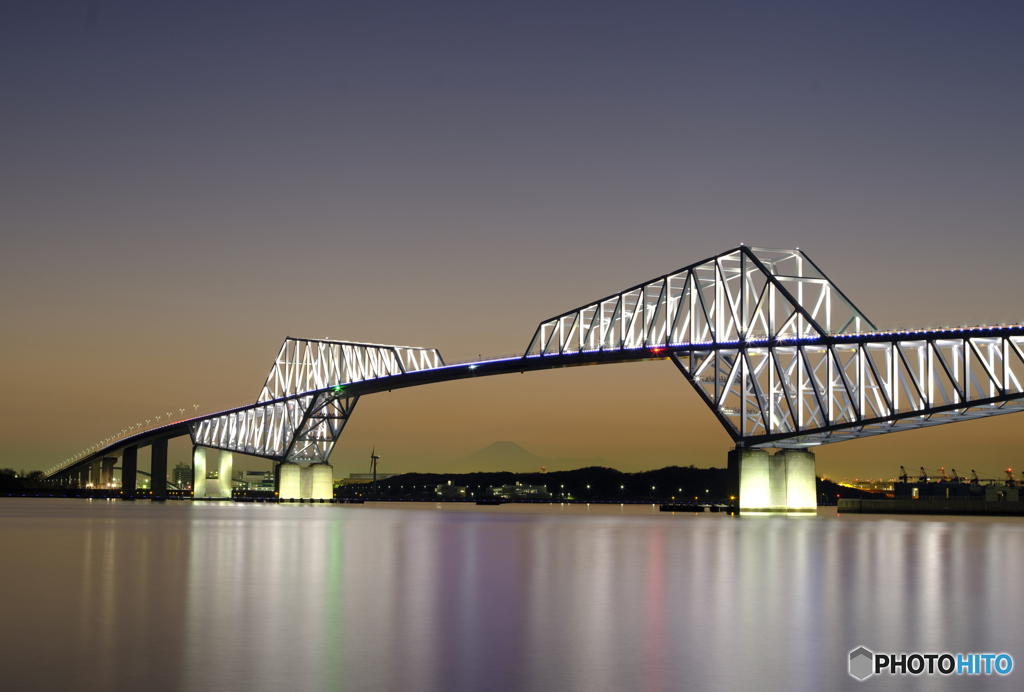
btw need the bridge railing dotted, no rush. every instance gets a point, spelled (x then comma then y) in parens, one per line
(485, 359)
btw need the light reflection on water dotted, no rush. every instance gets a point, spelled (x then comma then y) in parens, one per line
(111, 596)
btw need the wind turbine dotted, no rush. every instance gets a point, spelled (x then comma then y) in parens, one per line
(373, 468)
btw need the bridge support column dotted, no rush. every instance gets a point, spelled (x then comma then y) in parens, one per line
(129, 466)
(158, 470)
(323, 482)
(96, 473)
(313, 482)
(289, 485)
(107, 472)
(198, 472)
(227, 466)
(782, 482)
(748, 476)
(83, 477)
(801, 481)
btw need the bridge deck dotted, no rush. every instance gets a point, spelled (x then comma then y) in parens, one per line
(1007, 399)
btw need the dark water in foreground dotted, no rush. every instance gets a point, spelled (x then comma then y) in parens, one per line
(100, 595)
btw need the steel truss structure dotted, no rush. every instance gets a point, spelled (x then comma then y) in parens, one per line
(812, 391)
(745, 294)
(302, 408)
(781, 356)
(784, 359)
(306, 365)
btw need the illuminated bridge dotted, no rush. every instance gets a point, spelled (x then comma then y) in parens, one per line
(779, 354)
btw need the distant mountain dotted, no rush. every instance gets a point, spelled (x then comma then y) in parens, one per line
(502, 452)
(508, 456)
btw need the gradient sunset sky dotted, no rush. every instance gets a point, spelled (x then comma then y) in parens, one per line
(184, 184)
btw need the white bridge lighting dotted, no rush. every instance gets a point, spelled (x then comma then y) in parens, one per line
(777, 351)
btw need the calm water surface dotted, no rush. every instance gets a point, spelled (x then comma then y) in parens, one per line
(101, 595)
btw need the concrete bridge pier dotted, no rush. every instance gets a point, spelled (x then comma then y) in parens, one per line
(158, 469)
(201, 488)
(83, 477)
(96, 473)
(227, 467)
(780, 482)
(313, 482)
(288, 481)
(322, 481)
(129, 467)
(107, 471)
(198, 472)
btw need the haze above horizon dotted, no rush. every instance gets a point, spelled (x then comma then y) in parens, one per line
(183, 185)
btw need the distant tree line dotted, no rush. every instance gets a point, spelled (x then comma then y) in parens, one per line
(11, 479)
(596, 483)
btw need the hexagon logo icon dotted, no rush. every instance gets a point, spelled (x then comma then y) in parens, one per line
(861, 663)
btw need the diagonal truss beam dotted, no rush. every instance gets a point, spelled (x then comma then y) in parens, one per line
(305, 365)
(845, 387)
(743, 294)
(301, 428)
